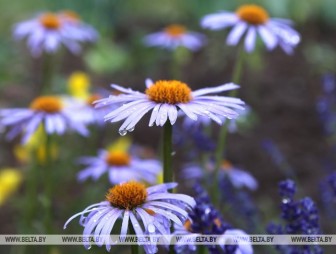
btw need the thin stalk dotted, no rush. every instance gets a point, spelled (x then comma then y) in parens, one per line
(135, 247)
(47, 74)
(223, 130)
(48, 189)
(168, 174)
(32, 185)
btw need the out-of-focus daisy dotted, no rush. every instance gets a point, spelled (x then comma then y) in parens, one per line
(82, 100)
(174, 36)
(10, 180)
(165, 98)
(149, 210)
(238, 177)
(204, 121)
(48, 31)
(252, 20)
(185, 230)
(47, 110)
(121, 166)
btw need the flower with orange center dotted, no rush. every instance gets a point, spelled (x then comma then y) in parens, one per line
(49, 111)
(49, 31)
(147, 210)
(253, 14)
(252, 20)
(165, 98)
(127, 196)
(120, 166)
(169, 91)
(48, 104)
(175, 30)
(50, 21)
(174, 36)
(237, 177)
(118, 158)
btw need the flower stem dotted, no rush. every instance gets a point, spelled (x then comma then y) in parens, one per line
(32, 186)
(135, 247)
(47, 74)
(168, 175)
(48, 189)
(223, 130)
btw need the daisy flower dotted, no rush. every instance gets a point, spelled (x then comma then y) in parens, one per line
(120, 166)
(254, 20)
(185, 230)
(86, 112)
(165, 98)
(174, 36)
(149, 210)
(48, 31)
(47, 110)
(238, 177)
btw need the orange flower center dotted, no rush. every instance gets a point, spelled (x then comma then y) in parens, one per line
(252, 14)
(127, 195)
(175, 30)
(169, 91)
(48, 104)
(117, 158)
(92, 98)
(187, 225)
(50, 21)
(226, 165)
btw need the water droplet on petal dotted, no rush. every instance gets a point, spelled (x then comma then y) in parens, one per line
(151, 228)
(89, 247)
(130, 130)
(123, 132)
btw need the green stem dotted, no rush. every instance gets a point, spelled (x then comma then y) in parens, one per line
(32, 185)
(47, 74)
(135, 247)
(223, 130)
(168, 174)
(48, 189)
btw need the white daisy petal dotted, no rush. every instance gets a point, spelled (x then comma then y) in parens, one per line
(250, 39)
(236, 33)
(268, 37)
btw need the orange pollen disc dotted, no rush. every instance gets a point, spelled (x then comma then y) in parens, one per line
(50, 21)
(175, 30)
(226, 165)
(169, 91)
(253, 14)
(118, 158)
(48, 104)
(92, 99)
(187, 225)
(217, 222)
(127, 195)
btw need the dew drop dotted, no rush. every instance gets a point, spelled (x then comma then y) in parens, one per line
(130, 130)
(89, 247)
(151, 228)
(285, 200)
(123, 132)
(173, 153)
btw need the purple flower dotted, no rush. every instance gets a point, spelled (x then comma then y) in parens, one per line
(147, 210)
(165, 98)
